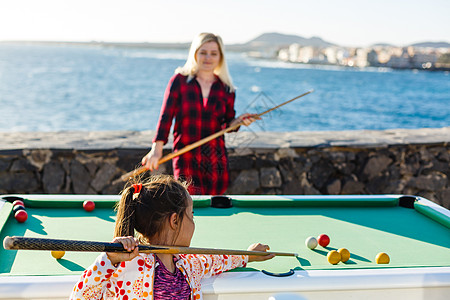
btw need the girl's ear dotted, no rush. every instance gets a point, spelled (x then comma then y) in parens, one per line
(173, 221)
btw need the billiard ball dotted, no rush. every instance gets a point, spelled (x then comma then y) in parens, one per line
(333, 257)
(21, 216)
(88, 205)
(345, 254)
(323, 240)
(58, 254)
(382, 258)
(18, 207)
(311, 242)
(18, 202)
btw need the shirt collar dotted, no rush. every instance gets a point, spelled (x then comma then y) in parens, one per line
(192, 77)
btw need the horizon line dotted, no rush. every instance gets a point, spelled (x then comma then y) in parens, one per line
(188, 43)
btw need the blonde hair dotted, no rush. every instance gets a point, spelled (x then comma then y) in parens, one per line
(190, 68)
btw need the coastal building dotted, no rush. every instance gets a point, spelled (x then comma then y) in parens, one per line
(361, 58)
(293, 53)
(383, 55)
(312, 55)
(342, 54)
(400, 60)
(424, 60)
(377, 56)
(331, 55)
(283, 54)
(372, 58)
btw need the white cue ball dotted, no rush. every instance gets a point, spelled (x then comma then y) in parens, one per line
(311, 242)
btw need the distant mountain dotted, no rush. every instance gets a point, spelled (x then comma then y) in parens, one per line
(382, 45)
(417, 45)
(432, 44)
(278, 39)
(269, 41)
(274, 38)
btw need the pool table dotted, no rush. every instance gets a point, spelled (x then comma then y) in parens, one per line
(415, 232)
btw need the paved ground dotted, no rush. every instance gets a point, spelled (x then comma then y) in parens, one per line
(142, 139)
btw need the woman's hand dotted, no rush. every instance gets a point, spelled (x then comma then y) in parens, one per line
(259, 247)
(130, 244)
(246, 119)
(151, 160)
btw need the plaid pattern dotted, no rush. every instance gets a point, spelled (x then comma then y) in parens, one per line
(207, 165)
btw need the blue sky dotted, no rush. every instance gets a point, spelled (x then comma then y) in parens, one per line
(346, 22)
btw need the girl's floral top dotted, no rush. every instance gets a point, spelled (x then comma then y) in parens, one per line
(134, 279)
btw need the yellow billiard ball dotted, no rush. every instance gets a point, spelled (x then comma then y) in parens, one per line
(345, 254)
(382, 258)
(333, 257)
(58, 254)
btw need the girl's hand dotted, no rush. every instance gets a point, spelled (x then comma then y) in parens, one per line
(130, 244)
(259, 247)
(246, 119)
(151, 160)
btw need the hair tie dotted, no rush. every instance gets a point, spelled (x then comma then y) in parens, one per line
(137, 188)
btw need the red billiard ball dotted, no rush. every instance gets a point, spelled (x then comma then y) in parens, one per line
(88, 205)
(21, 216)
(18, 202)
(323, 240)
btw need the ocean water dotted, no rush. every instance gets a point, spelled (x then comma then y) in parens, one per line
(56, 88)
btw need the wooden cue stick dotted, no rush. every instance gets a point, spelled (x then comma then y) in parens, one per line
(28, 243)
(188, 148)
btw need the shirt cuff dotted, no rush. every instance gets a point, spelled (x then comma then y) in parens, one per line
(158, 138)
(245, 261)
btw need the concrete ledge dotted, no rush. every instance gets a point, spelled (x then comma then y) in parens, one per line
(402, 161)
(84, 140)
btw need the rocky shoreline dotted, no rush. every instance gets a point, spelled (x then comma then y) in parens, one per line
(343, 162)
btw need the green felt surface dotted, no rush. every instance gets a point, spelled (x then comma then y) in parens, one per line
(411, 238)
(58, 223)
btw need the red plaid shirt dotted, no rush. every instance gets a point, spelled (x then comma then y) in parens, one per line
(207, 165)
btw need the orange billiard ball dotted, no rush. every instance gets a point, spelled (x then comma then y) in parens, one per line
(382, 258)
(345, 254)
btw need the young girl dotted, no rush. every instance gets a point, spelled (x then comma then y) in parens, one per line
(161, 212)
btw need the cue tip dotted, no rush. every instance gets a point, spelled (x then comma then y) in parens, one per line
(8, 243)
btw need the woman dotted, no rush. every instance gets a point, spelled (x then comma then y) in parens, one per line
(200, 96)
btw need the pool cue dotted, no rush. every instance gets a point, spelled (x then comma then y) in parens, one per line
(194, 145)
(28, 243)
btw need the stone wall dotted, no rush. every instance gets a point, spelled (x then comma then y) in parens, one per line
(307, 163)
(403, 169)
